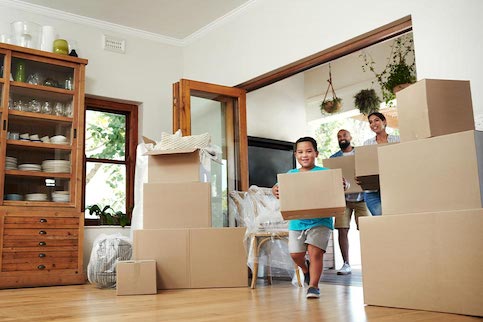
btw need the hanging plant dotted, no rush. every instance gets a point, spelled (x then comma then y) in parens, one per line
(399, 72)
(367, 101)
(333, 105)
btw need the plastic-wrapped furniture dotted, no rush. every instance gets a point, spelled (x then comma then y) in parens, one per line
(267, 233)
(107, 250)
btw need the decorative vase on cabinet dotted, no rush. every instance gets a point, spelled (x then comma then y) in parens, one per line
(41, 223)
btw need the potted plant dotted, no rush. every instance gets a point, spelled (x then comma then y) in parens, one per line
(400, 70)
(332, 105)
(109, 216)
(367, 101)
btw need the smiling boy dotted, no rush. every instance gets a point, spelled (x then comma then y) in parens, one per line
(308, 235)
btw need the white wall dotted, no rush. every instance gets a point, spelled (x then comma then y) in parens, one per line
(143, 74)
(280, 103)
(272, 33)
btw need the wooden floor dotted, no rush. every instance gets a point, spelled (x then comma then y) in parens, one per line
(279, 302)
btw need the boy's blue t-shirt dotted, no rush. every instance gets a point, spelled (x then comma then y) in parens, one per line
(303, 224)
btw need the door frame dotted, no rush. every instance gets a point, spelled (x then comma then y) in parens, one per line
(182, 92)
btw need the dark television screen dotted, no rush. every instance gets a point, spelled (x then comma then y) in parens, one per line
(267, 158)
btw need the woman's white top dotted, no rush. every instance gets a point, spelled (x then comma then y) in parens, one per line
(390, 139)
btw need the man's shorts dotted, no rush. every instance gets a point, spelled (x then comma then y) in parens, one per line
(317, 236)
(358, 208)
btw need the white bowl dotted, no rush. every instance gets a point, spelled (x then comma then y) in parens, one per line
(58, 138)
(25, 136)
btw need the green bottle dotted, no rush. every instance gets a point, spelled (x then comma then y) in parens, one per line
(20, 73)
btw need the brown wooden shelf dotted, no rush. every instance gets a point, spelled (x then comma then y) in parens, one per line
(40, 174)
(18, 144)
(41, 116)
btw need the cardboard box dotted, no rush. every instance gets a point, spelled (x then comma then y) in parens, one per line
(176, 205)
(170, 249)
(136, 277)
(433, 107)
(428, 261)
(367, 165)
(187, 165)
(194, 258)
(347, 165)
(434, 174)
(218, 258)
(312, 194)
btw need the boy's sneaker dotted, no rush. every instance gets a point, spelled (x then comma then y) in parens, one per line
(345, 269)
(313, 293)
(307, 275)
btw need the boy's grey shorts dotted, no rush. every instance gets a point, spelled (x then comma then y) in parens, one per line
(318, 236)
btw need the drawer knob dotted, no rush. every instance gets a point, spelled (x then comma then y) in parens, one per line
(41, 255)
(42, 243)
(41, 267)
(43, 220)
(42, 232)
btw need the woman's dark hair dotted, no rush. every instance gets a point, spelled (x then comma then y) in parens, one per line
(306, 139)
(379, 115)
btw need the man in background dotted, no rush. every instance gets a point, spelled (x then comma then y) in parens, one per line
(354, 205)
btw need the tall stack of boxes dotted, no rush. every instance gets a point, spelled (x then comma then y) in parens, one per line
(424, 252)
(177, 227)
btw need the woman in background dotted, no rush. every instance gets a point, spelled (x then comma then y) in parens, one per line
(378, 123)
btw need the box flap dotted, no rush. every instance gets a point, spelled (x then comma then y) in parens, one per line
(175, 151)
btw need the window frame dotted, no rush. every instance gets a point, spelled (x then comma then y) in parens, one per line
(131, 113)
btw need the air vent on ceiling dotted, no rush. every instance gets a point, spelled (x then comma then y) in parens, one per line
(114, 44)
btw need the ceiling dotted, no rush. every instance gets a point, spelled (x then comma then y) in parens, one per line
(176, 19)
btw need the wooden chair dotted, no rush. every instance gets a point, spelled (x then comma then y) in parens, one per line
(248, 208)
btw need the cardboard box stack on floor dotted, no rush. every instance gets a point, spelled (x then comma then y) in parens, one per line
(424, 251)
(177, 228)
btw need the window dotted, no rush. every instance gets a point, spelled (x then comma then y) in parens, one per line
(110, 156)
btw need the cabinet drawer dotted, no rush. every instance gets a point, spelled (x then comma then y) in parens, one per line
(38, 257)
(45, 243)
(40, 264)
(40, 222)
(40, 233)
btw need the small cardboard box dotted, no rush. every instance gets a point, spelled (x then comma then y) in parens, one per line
(177, 205)
(186, 165)
(195, 258)
(433, 107)
(347, 165)
(434, 174)
(312, 194)
(136, 277)
(367, 165)
(425, 261)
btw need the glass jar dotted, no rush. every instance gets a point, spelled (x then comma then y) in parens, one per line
(35, 106)
(59, 109)
(47, 108)
(61, 47)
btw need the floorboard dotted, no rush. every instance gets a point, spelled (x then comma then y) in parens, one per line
(278, 302)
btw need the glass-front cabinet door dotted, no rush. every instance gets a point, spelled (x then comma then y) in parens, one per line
(40, 132)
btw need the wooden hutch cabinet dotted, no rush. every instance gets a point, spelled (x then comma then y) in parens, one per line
(41, 153)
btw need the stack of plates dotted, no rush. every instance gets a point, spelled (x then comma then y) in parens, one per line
(10, 163)
(13, 196)
(56, 166)
(30, 167)
(61, 196)
(36, 197)
(58, 139)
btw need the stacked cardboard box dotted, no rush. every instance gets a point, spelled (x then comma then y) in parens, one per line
(423, 252)
(177, 231)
